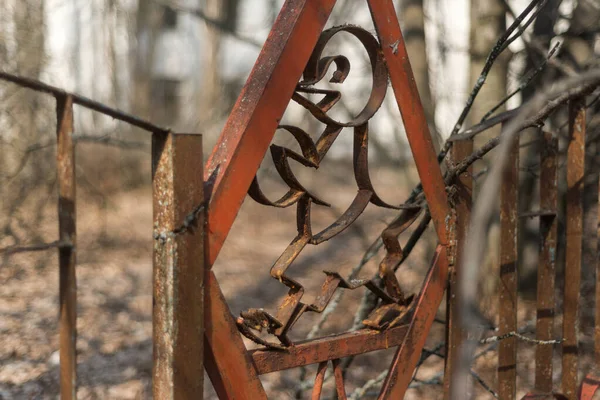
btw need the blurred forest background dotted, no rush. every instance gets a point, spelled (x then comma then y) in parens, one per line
(181, 64)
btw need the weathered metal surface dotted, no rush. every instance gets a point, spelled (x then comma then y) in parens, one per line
(256, 114)
(589, 387)
(597, 263)
(228, 364)
(396, 304)
(574, 217)
(547, 260)
(544, 396)
(65, 168)
(338, 374)
(409, 352)
(508, 296)
(591, 383)
(319, 379)
(462, 205)
(327, 348)
(178, 279)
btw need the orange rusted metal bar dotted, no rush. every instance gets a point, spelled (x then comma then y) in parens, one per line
(591, 382)
(65, 165)
(256, 114)
(596, 163)
(464, 188)
(407, 97)
(319, 379)
(409, 353)
(178, 301)
(83, 101)
(589, 387)
(574, 217)
(413, 116)
(227, 362)
(546, 271)
(327, 348)
(507, 318)
(339, 380)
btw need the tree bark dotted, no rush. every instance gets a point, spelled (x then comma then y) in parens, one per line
(412, 18)
(147, 23)
(28, 59)
(21, 111)
(488, 23)
(210, 104)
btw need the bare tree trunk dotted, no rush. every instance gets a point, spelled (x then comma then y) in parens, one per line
(413, 28)
(28, 60)
(488, 23)
(210, 100)
(20, 113)
(146, 29)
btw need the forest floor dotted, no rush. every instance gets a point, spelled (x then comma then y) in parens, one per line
(114, 289)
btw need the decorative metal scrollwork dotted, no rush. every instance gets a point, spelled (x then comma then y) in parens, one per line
(395, 303)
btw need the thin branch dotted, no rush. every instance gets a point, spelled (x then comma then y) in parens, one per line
(483, 384)
(494, 54)
(434, 380)
(484, 126)
(112, 142)
(539, 48)
(523, 27)
(498, 338)
(476, 155)
(360, 392)
(26, 155)
(494, 142)
(524, 84)
(36, 247)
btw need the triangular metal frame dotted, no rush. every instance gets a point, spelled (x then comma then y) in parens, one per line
(241, 148)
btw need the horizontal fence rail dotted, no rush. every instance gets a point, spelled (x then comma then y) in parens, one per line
(181, 353)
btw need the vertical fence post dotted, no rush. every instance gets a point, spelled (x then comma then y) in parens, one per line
(178, 277)
(591, 382)
(464, 185)
(65, 167)
(547, 260)
(507, 349)
(590, 234)
(574, 217)
(596, 261)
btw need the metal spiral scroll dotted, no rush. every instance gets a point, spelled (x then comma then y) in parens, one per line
(395, 305)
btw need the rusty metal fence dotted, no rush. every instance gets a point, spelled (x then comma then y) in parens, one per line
(196, 205)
